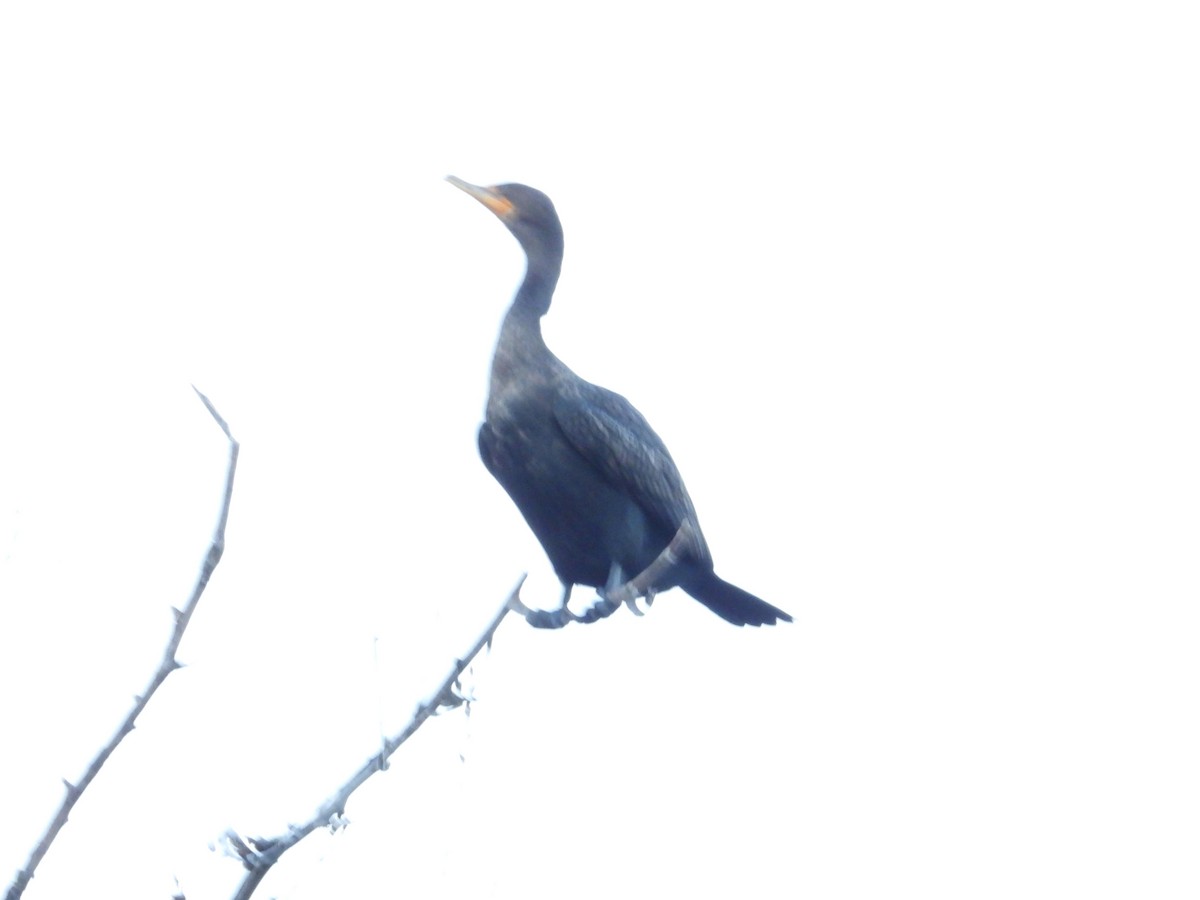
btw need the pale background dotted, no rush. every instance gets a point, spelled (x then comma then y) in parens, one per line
(910, 290)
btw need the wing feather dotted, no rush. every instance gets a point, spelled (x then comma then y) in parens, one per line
(618, 442)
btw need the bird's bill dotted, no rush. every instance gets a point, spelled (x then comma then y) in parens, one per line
(489, 197)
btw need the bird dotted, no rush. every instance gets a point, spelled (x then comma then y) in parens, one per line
(592, 479)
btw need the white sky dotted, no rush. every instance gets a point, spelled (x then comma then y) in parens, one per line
(909, 290)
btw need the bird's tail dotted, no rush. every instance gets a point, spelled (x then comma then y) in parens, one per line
(728, 601)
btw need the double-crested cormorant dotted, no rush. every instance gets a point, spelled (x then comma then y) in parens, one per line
(593, 480)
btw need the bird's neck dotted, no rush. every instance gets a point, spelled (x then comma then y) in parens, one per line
(541, 277)
(522, 360)
(521, 344)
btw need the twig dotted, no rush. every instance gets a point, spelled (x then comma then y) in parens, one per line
(258, 855)
(168, 665)
(644, 584)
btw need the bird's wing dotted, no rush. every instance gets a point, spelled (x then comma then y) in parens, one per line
(618, 442)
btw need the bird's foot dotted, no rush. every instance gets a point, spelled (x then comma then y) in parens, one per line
(542, 618)
(604, 607)
(601, 609)
(550, 618)
(609, 599)
(618, 591)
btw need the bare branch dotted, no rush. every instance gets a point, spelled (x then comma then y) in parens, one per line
(168, 665)
(260, 854)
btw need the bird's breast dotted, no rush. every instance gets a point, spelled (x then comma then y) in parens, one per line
(584, 523)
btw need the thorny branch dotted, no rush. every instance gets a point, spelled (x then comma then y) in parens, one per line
(168, 665)
(258, 855)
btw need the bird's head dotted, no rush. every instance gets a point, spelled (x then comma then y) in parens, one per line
(528, 214)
